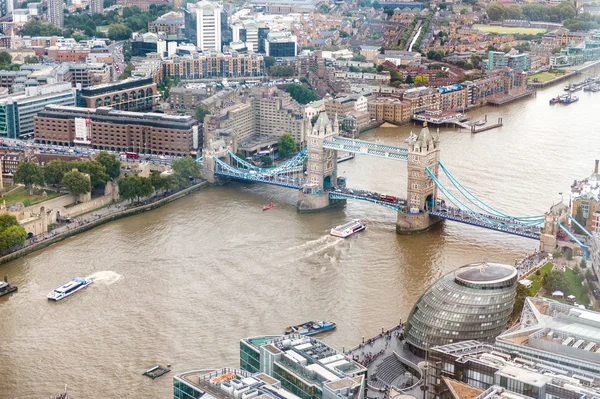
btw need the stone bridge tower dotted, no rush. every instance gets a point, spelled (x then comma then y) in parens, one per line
(321, 166)
(558, 213)
(421, 192)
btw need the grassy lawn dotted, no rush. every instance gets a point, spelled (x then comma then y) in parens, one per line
(543, 76)
(576, 287)
(536, 281)
(21, 195)
(505, 30)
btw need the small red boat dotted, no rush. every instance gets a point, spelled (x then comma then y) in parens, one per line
(266, 208)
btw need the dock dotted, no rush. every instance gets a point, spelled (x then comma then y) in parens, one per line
(501, 100)
(475, 129)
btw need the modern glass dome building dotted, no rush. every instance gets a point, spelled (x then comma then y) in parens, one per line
(473, 302)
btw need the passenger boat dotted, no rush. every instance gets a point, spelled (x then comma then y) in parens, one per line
(311, 328)
(568, 99)
(412, 136)
(346, 230)
(6, 288)
(69, 288)
(266, 208)
(554, 100)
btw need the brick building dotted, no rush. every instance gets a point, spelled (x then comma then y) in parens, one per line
(127, 95)
(105, 128)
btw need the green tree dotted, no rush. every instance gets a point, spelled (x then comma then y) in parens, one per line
(200, 113)
(556, 281)
(495, 11)
(54, 171)
(110, 162)
(354, 69)
(186, 168)
(96, 170)
(267, 160)
(589, 274)
(583, 264)
(143, 187)
(522, 293)
(118, 32)
(301, 93)
(324, 8)
(569, 254)
(286, 145)
(379, 68)
(29, 174)
(12, 236)
(127, 187)
(580, 219)
(7, 220)
(5, 58)
(31, 59)
(126, 51)
(359, 57)
(76, 182)
(409, 80)
(270, 61)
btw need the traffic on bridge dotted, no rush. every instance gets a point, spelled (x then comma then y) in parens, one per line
(391, 202)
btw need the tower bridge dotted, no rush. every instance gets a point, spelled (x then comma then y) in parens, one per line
(313, 172)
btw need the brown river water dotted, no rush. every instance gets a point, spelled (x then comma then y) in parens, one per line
(184, 283)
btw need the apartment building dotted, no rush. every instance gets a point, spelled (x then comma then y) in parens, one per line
(128, 95)
(388, 109)
(214, 64)
(106, 128)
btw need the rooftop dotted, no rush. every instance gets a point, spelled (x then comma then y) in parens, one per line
(477, 273)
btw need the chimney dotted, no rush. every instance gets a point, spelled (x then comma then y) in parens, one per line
(596, 167)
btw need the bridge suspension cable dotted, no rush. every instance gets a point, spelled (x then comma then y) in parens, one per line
(484, 207)
(292, 163)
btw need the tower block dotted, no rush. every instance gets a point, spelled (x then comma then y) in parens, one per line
(321, 167)
(424, 151)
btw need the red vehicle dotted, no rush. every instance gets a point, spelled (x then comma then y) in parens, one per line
(561, 235)
(388, 198)
(132, 155)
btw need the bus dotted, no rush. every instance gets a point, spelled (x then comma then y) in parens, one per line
(132, 155)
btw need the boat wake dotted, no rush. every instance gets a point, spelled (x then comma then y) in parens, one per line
(321, 245)
(312, 243)
(106, 277)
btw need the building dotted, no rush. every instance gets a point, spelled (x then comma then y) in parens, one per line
(171, 23)
(588, 49)
(387, 109)
(96, 7)
(10, 161)
(369, 52)
(489, 371)
(306, 367)
(227, 383)
(420, 99)
(398, 57)
(212, 64)
(453, 97)
(90, 74)
(555, 333)
(281, 45)
(132, 94)
(106, 128)
(55, 13)
(189, 96)
(17, 112)
(473, 302)
(345, 104)
(145, 43)
(512, 59)
(6, 7)
(585, 194)
(208, 25)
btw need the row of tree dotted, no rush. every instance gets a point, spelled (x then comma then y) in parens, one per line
(136, 187)
(533, 12)
(57, 172)
(7, 65)
(12, 235)
(301, 93)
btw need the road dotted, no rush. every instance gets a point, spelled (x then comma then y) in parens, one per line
(118, 66)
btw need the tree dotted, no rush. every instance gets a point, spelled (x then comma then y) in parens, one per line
(270, 61)
(495, 11)
(200, 113)
(267, 160)
(127, 189)
(54, 171)
(96, 170)
(409, 80)
(556, 281)
(379, 68)
(186, 168)
(569, 254)
(119, 32)
(286, 145)
(522, 293)
(29, 173)
(12, 235)
(324, 8)
(580, 219)
(143, 187)
(76, 182)
(589, 275)
(583, 264)
(360, 58)
(31, 59)
(354, 69)
(301, 93)
(110, 162)
(5, 58)
(7, 220)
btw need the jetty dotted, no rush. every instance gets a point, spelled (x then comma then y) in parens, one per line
(476, 129)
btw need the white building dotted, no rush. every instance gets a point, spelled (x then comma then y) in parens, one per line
(208, 25)
(21, 16)
(96, 6)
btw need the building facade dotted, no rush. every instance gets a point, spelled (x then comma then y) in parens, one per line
(512, 59)
(96, 7)
(208, 25)
(105, 128)
(55, 13)
(214, 65)
(473, 302)
(127, 95)
(281, 45)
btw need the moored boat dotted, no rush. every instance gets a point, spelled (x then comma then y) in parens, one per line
(69, 288)
(6, 288)
(311, 327)
(346, 230)
(266, 208)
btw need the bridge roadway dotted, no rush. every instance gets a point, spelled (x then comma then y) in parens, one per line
(504, 225)
(338, 193)
(367, 148)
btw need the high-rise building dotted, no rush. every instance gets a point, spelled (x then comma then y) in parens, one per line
(281, 44)
(55, 13)
(96, 6)
(512, 59)
(208, 25)
(6, 7)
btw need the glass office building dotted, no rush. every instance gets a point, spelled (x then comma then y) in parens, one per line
(473, 302)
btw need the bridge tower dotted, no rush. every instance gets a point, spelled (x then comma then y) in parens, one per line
(216, 146)
(321, 167)
(424, 151)
(558, 214)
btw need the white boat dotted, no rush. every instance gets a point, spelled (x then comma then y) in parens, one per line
(69, 288)
(346, 230)
(411, 137)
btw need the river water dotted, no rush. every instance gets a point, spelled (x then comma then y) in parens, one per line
(184, 283)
